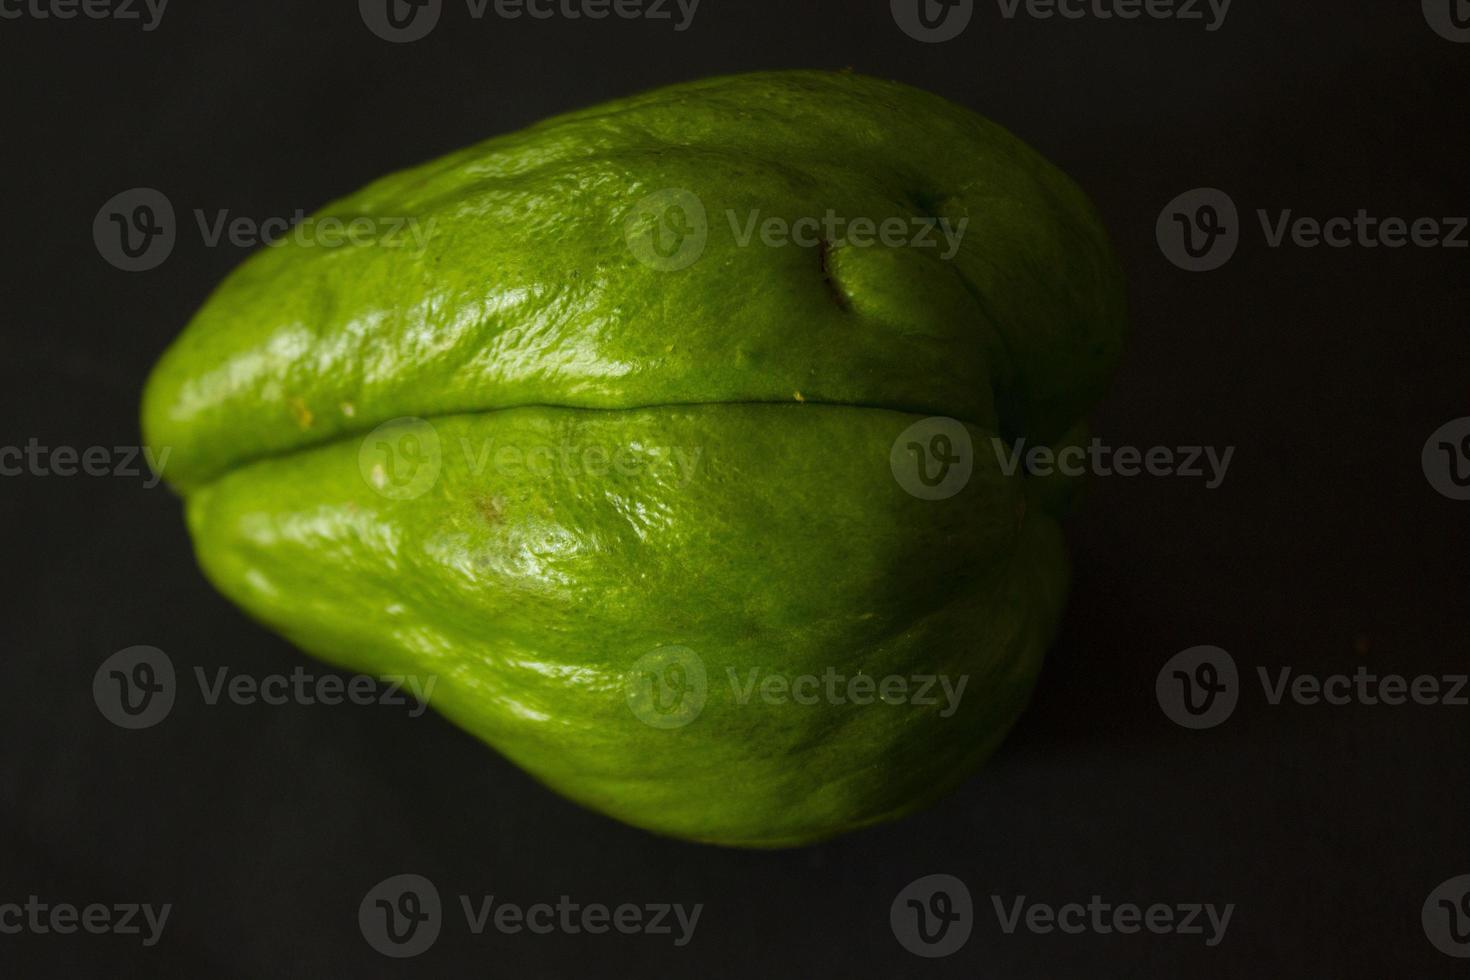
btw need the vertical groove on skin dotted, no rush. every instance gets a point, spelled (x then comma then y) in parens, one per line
(834, 287)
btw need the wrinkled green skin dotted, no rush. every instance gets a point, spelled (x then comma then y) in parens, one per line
(525, 320)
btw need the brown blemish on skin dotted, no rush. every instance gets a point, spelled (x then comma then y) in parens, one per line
(301, 413)
(492, 509)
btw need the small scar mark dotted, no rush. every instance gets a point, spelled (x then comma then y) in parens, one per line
(834, 288)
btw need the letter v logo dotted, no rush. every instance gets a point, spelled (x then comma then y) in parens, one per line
(932, 21)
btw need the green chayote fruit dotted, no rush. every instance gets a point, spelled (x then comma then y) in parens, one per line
(688, 484)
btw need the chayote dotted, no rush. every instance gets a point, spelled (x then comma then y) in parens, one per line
(691, 488)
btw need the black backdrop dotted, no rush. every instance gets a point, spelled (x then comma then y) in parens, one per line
(1324, 549)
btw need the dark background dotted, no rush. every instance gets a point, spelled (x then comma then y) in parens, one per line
(1325, 548)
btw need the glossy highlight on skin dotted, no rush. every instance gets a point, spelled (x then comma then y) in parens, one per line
(754, 397)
